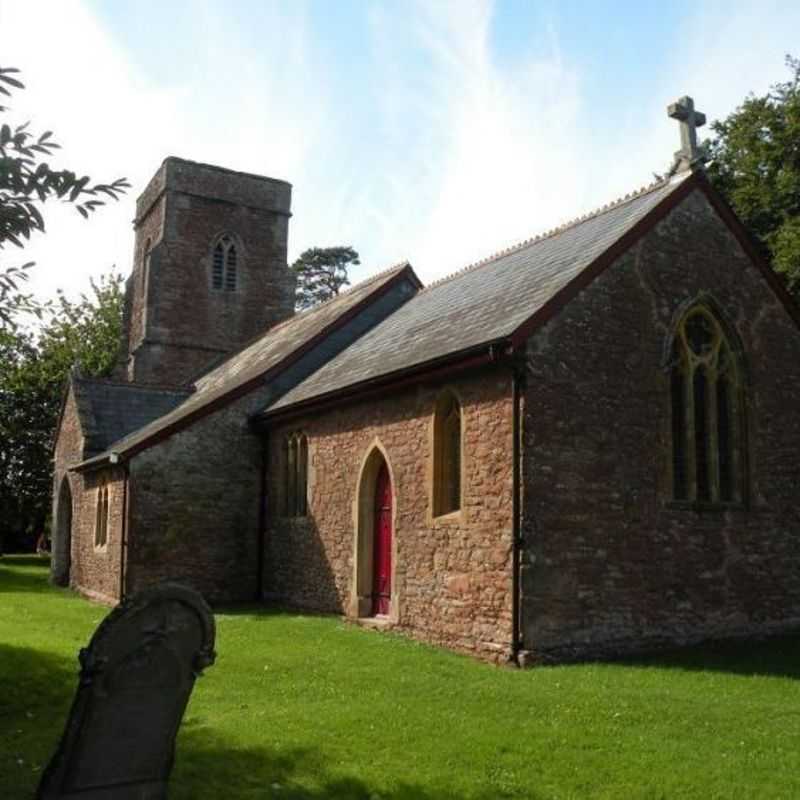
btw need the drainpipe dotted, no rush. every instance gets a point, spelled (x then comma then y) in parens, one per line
(123, 545)
(262, 518)
(517, 541)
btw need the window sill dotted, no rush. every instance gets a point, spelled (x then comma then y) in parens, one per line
(451, 517)
(701, 507)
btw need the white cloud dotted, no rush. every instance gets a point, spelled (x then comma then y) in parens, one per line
(422, 144)
(112, 121)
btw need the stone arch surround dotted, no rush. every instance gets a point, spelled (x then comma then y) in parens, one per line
(360, 605)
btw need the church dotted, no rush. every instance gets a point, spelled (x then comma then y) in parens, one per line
(584, 445)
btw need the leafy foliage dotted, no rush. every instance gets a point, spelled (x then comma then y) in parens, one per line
(27, 181)
(321, 272)
(756, 165)
(33, 370)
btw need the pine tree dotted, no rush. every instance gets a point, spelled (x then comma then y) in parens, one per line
(321, 273)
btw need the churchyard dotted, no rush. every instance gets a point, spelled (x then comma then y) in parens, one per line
(300, 706)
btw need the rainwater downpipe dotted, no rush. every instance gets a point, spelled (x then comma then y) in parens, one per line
(516, 505)
(123, 545)
(262, 518)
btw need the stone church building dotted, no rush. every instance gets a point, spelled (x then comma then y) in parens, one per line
(585, 444)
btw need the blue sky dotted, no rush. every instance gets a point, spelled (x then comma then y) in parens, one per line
(437, 131)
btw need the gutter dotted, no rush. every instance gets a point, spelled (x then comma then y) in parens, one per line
(480, 355)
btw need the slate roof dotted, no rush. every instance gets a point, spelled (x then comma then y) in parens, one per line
(267, 352)
(108, 410)
(484, 303)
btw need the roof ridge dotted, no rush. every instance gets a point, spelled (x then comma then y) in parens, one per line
(398, 267)
(620, 201)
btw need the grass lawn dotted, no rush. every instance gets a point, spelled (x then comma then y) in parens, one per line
(308, 707)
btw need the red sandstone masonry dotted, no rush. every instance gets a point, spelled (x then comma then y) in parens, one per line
(179, 324)
(453, 575)
(612, 565)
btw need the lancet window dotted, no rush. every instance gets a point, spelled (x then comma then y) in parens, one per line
(296, 475)
(101, 516)
(447, 455)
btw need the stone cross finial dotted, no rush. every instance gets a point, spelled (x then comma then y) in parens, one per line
(690, 155)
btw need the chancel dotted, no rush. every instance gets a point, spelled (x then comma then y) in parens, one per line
(577, 446)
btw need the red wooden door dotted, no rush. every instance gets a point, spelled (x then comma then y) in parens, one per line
(382, 547)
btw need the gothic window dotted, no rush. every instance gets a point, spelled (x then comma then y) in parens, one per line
(101, 516)
(224, 264)
(296, 475)
(706, 401)
(447, 455)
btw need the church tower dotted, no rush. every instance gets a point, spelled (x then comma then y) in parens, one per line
(209, 271)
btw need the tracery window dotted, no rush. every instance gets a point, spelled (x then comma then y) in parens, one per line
(447, 455)
(224, 264)
(101, 516)
(296, 475)
(706, 399)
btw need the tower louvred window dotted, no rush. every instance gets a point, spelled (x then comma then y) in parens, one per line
(218, 267)
(708, 447)
(230, 269)
(224, 265)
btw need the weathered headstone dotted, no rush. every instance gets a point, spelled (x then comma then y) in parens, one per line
(136, 678)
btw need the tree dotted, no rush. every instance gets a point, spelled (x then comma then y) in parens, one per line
(756, 166)
(27, 181)
(321, 272)
(33, 372)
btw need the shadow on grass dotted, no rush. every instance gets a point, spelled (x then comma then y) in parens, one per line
(37, 690)
(296, 774)
(25, 574)
(777, 656)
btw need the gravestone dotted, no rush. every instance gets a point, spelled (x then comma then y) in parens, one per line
(135, 680)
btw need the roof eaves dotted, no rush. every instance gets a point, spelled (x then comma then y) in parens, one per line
(484, 353)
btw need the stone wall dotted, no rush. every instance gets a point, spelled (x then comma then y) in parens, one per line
(178, 323)
(452, 577)
(612, 564)
(66, 489)
(194, 497)
(194, 507)
(93, 571)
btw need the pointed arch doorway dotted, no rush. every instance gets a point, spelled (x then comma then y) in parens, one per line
(374, 592)
(62, 536)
